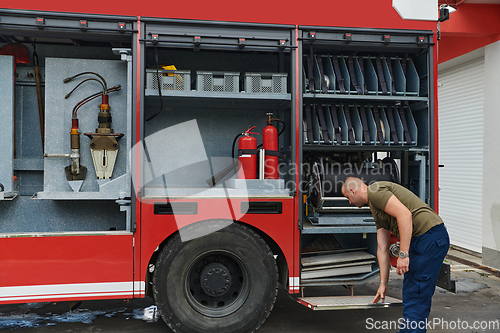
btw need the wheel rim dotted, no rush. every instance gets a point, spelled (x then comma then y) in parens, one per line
(217, 283)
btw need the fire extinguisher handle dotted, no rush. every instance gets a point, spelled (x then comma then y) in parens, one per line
(251, 128)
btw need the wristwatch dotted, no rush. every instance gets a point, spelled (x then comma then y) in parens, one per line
(403, 255)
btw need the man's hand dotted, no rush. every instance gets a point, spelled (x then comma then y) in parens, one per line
(403, 266)
(382, 290)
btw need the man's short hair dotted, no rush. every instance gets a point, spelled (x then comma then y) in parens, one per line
(352, 183)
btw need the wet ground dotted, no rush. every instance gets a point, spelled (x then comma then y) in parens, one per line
(474, 308)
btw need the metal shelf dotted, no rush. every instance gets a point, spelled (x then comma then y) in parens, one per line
(219, 95)
(378, 98)
(342, 280)
(309, 228)
(221, 99)
(346, 148)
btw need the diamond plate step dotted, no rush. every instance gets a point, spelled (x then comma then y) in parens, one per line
(346, 302)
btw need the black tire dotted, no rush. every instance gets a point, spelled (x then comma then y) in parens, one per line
(226, 281)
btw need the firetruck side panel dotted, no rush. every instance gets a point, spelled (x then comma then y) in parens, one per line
(353, 94)
(362, 13)
(67, 267)
(156, 227)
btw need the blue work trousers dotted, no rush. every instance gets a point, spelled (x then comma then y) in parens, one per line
(427, 253)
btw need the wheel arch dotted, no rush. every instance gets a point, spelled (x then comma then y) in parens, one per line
(281, 261)
(277, 251)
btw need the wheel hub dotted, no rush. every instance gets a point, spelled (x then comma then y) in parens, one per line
(215, 279)
(217, 283)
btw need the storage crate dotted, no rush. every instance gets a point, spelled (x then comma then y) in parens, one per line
(170, 80)
(217, 81)
(274, 83)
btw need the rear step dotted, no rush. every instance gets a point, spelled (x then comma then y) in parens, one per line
(346, 302)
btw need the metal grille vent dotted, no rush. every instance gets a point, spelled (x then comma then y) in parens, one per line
(255, 84)
(156, 80)
(269, 83)
(267, 86)
(207, 83)
(229, 86)
(218, 81)
(277, 86)
(171, 80)
(179, 82)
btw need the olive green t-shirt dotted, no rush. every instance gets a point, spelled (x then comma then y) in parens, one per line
(423, 217)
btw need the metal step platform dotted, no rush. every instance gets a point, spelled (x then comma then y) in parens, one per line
(346, 302)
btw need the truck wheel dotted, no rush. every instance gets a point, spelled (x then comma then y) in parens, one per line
(226, 281)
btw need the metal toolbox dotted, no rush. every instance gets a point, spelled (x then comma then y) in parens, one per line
(218, 81)
(170, 80)
(274, 83)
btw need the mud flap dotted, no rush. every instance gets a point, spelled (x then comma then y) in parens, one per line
(444, 279)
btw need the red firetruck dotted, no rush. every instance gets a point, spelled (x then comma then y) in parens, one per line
(195, 153)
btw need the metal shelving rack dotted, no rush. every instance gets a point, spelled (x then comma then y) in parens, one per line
(359, 71)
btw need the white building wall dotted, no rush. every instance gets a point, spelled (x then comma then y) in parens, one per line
(459, 98)
(491, 148)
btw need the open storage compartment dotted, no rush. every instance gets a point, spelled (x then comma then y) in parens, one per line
(366, 114)
(41, 116)
(239, 74)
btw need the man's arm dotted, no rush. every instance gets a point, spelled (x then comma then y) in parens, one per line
(395, 208)
(383, 237)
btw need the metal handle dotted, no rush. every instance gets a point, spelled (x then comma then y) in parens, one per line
(334, 199)
(344, 208)
(56, 155)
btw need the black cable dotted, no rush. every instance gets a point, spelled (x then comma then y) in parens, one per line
(79, 84)
(91, 97)
(234, 144)
(232, 151)
(282, 122)
(160, 83)
(66, 80)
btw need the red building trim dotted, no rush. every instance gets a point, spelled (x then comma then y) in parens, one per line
(469, 28)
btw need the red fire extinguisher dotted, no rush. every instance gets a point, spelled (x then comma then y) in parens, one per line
(394, 250)
(247, 151)
(270, 145)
